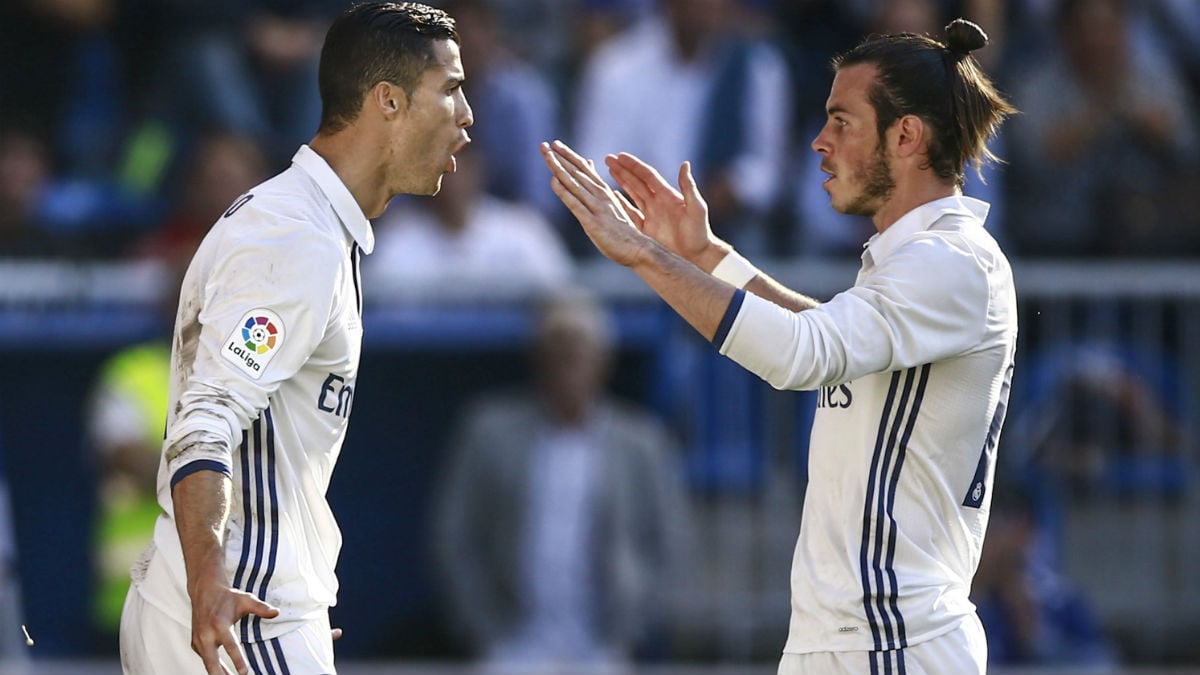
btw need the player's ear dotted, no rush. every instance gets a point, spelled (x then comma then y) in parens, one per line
(389, 99)
(909, 134)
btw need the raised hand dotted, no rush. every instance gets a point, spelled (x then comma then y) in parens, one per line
(678, 219)
(610, 221)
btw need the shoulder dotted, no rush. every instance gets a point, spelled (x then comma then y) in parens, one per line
(287, 214)
(942, 267)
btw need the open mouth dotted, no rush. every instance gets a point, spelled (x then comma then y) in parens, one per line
(829, 173)
(452, 163)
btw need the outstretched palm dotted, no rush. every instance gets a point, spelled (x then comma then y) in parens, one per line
(678, 219)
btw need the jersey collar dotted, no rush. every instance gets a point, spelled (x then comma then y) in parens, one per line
(347, 209)
(882, 244)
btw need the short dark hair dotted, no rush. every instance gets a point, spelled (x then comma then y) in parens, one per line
(376, 42)
(943, 85)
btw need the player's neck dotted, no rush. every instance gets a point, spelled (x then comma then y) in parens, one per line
(908, 196)
(347, 154)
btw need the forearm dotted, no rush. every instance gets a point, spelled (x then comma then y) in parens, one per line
(761, 284)
(768, 289)
(201, 507)
(692, 292)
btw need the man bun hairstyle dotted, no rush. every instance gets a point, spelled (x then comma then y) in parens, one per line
(964, 37)
(375, 42)
(943, 85)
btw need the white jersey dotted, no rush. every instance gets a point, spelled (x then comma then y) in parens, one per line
(912, 366)
(263, 367)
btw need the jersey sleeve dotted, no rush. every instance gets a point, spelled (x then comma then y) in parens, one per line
(266, 305)
(927, 301)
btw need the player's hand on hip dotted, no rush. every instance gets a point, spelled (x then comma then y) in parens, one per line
(610, 221)
(214, 613)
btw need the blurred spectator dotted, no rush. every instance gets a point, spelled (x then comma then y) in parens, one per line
(1031, 614)
(464, 242)
(1104, 424)
(221, 167)
(689, 83)
(564, 28)
(125, 421)
(1100, 421)
(562, 513)
(24, 176)
(64, 76)
(1104, 156)
(515, 109)
(61, 72)
(248, 67)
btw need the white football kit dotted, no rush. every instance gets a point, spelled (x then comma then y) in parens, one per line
(912, 367)
(263, 367)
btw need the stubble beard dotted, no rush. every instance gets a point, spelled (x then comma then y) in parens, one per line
(877, 188)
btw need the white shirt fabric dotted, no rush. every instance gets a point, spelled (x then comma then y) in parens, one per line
(913, 366)
(269, 407)
(637, 95)
(503, 246)
(558, 555)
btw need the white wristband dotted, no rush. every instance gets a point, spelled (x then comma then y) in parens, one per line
(735, 270)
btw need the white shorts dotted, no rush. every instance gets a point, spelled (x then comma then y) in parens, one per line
(962, 651)
(152, 643)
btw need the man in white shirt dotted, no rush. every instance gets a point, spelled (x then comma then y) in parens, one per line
(264, 360)
(687, 81)
(912, 364)
(465, 242)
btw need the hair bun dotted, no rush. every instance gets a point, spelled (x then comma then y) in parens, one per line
(964, 37)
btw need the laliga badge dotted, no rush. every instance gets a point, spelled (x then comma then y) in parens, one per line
(254, 342)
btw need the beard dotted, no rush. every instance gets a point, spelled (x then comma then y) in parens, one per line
(878, 186)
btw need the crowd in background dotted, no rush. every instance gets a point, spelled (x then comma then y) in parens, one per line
(126, 126)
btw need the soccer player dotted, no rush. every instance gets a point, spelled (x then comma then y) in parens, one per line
(240, 572)
(913, 362)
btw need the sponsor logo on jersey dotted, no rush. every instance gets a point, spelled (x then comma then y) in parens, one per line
(837, 396)
(254, 342)
(336, 396)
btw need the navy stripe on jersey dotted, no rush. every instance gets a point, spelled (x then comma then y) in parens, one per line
(731, 312)
(978, 488)
(200, 465)
(877, 554)
(863, 566)
(266, 657)
(251, 659)
(283, 667)
(258, 499)
(882, 530)
(274, 518)
(890, 662)
(260, 529)
(247, 516)
(355, 261)
(901, 452)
